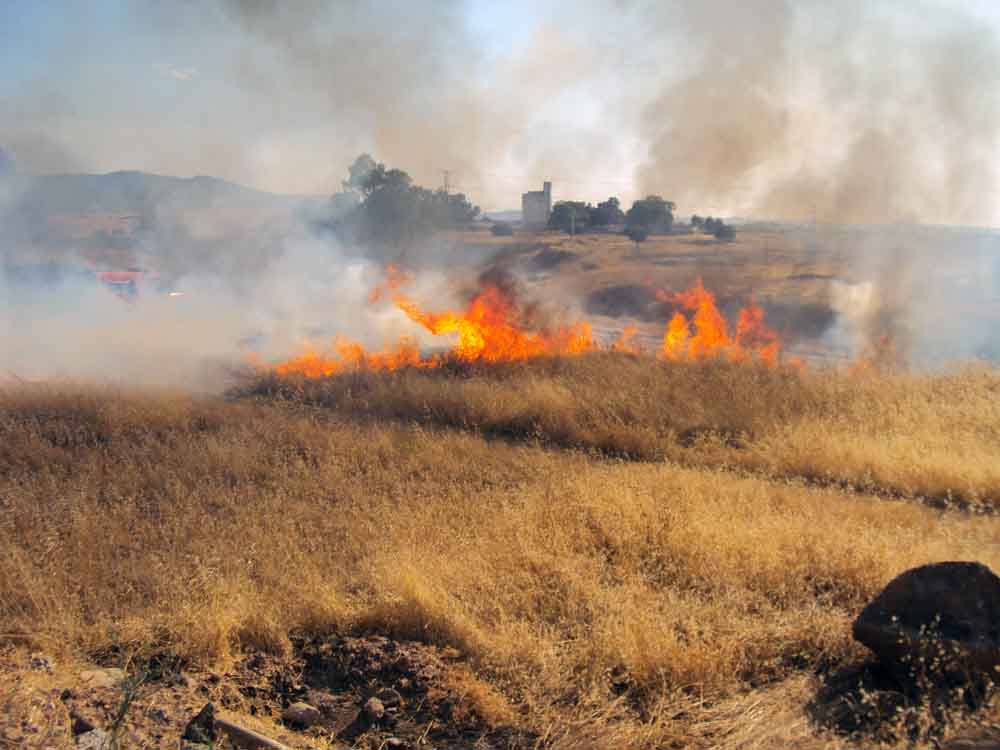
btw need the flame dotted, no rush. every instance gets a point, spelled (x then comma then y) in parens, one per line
(489, 330)
(494, 327)
(710, 338)
(625, 342)
(350, 355)
(394, 279)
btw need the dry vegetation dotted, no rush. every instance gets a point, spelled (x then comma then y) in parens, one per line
(568, 526)
(936, 438)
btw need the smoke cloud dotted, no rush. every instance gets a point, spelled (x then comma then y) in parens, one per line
(858, 112)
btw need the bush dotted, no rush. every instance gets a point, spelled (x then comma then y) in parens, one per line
(502, 229)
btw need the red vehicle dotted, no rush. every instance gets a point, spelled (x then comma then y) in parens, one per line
(126, 284)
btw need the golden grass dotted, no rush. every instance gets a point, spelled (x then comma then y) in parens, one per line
(600, 602)
(907, 435)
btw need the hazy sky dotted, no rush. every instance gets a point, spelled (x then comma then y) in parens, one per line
(874, 110)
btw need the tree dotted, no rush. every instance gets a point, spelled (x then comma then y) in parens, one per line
(572, 217)
(724, 232)
(382, 208)
(358, 173)
(608, 212)
(652, 213)
(697, 222)
(719, 229)
(637, 234)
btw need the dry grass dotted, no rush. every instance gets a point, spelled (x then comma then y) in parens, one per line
(902, 435)
(602, 602)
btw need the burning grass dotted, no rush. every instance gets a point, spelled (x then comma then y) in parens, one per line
(496, 326)
(608, 603)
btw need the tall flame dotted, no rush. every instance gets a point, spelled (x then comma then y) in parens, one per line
(711, 338)
(489, 329)
(493, 327)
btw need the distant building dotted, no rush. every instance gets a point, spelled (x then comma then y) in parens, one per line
(536, 207)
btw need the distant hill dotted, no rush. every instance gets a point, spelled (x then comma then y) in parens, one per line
(129, 193)
(121, 219)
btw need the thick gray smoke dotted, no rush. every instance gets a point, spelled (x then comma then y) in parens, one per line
(852, 111)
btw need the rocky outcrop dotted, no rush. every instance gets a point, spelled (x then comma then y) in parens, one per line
(945, 615)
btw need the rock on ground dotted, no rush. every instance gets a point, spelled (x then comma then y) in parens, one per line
(948, 610)
(301, 714)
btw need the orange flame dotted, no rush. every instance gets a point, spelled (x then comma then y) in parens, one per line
(489, 330)
(495, 328)
(394, 279)
(626, 343)
(711, 338)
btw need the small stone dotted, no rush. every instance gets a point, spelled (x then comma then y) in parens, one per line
(301, 714)
(374, 710)
(95, 739)
(102, 678)
(201, 729)
(389, 697)
(40, 661)
(80, 725)
(66, 695)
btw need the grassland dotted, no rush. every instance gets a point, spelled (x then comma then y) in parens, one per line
(624, 553)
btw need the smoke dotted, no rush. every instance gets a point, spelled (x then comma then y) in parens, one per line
(66, 324)
(854, 112)
(857, 112)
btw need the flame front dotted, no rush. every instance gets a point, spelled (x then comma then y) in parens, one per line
(495, 328)
(489, 330)
(753, 339)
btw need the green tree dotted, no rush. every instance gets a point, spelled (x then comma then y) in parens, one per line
(652, 213)
(608, 212)
(358, 173)
(382, 208)
(572, 217)
(637, 234)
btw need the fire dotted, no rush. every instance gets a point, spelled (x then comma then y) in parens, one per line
(710, 336)
(626, 343)
(493, 327)
(350, 355)
(490, 329)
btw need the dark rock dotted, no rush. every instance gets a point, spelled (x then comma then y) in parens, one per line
(947, 613)
(201, 729)
(301, 714)
(80, 725)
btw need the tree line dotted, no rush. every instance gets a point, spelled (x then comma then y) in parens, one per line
(647, 216)
(380, 207)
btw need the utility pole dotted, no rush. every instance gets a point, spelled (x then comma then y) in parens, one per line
(447, 175)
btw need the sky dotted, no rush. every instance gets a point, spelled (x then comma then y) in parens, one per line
(883, 110)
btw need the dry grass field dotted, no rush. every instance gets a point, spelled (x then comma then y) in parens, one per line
(621, 553)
